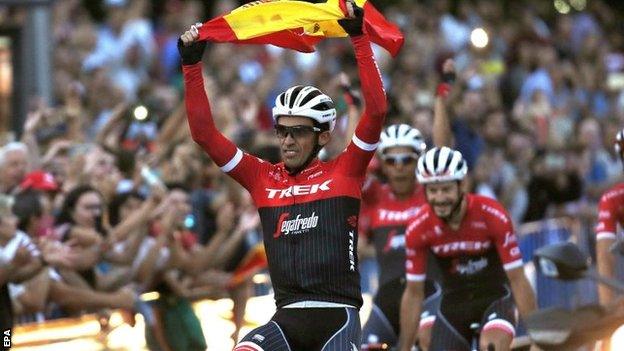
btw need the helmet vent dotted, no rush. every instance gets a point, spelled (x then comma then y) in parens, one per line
(310, 96)
(293, 96)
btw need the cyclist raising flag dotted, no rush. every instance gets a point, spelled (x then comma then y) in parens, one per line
(308, 208)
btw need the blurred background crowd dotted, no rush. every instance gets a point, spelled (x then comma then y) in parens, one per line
(105, 195)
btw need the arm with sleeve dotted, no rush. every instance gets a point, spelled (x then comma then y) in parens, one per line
(356, 157)
(506, 244)
(241, 166)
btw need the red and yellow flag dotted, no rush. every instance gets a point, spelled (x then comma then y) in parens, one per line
(297, 25)
(254, 261)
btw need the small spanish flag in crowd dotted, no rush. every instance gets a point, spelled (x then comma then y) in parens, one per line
(254, 261)
(297, 25)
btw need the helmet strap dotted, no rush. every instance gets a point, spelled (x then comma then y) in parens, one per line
(322, 126)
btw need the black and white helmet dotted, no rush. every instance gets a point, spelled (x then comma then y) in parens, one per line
(401, 135)
(306, 101)
(619, 142)
(441, 165)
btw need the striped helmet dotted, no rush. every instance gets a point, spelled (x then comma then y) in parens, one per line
(441, 165)
(619, 142)
(401, 135)
(306, 101)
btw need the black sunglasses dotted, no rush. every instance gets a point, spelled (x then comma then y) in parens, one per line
(402, 159)
(294, 131)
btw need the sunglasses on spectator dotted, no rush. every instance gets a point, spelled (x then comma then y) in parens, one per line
(399, 159)
(296, 132)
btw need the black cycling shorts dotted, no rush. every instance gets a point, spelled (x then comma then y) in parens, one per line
(451, 330)
(306, 329)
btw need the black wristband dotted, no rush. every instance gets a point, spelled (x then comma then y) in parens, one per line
(193, 53)
(448, 77)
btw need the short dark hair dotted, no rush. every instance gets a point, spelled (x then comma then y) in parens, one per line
(27, 206)
(117, 202)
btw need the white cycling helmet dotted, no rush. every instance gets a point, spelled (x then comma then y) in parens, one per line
(401, 135)
(306, 101)
(441, 165)
(619, 142)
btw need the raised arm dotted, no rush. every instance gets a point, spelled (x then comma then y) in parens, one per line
(366, 136)
(242, 167)
(354, 103)
(442, 135)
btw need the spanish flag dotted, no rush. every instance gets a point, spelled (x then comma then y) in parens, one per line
(254, 261)
(297, 25)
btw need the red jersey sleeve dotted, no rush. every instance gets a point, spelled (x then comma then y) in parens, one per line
(606, 228)
(503, 235)
(416, 248)
(241, 166)
(356, 157)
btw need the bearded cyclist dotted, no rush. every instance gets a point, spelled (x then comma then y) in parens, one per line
(308, 208)
(472, 239)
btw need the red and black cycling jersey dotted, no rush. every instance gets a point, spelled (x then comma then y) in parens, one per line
(309, 219)
(383, 221)
(474, 256)
(610, 213)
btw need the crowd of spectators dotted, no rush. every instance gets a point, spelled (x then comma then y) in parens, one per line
(110, 197)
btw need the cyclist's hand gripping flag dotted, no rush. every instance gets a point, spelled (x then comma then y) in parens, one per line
(297, 25)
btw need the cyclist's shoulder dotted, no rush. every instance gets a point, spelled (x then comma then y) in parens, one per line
(489, 208)
(421, 221)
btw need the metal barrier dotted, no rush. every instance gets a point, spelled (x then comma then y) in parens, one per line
(551, 292)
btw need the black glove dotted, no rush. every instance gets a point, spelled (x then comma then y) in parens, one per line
(446, 83)
(193, 53)
(448, 77)
(353, 26)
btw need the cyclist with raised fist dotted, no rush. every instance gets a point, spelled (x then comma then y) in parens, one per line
(308, 208)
